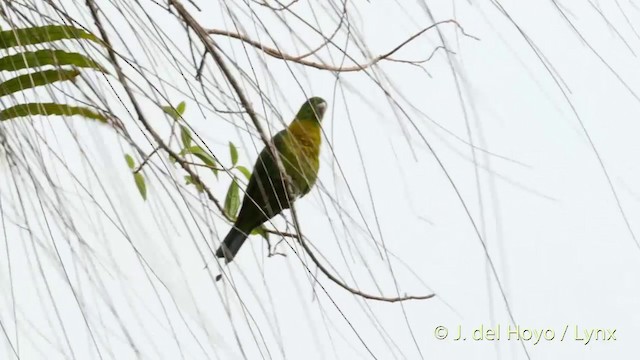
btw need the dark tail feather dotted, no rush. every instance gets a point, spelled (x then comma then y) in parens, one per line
(231, 244)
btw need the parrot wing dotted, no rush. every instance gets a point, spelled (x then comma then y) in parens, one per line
(265, 194)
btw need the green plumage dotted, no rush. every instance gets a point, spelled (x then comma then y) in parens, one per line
(265, 197)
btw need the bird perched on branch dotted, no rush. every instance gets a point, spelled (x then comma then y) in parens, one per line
(266, 195)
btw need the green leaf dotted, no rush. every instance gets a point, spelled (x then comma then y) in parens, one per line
(42, 34)
(171, 111)
(189, 180)
(49, 109)
(181, 108)
(199, 152)
(29, 59)
(244, 171)
(232, 200)
(31, 80)
(175, 112)
(130, 162)
(234, 153)
(185, 135)
(142, 187)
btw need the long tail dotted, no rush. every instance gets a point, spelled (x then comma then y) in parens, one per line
(231, 244)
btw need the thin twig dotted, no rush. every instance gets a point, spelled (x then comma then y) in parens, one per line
(416, 62)
(138, 109)
(358, 67)
(211, 47)
(281, 8)
(145, 161)
(331, 277)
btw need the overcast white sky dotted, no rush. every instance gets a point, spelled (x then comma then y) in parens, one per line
(555, 135)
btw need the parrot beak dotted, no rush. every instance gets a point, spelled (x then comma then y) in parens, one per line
(320, 109)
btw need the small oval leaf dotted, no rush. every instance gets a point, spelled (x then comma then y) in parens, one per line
(232, 200)
(185, 135)
(169, 110)
(130, 162)
(199, 152)
(140, 183)
(181, 108)
(191, 181)
(244, 171)
(234, 153)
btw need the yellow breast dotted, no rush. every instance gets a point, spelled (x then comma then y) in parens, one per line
(306, 137)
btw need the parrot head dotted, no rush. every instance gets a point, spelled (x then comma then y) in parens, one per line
(312, 109)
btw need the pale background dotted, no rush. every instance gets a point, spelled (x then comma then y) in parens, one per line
(536, 191)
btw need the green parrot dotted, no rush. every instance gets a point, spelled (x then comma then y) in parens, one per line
(265, 197)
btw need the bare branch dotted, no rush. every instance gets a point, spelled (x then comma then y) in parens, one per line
(281, 8)
(145, 161)
(337, 281)
(138, 109)
(358, 67)
(212, 48)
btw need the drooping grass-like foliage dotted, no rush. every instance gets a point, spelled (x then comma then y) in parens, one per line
(45, 67)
